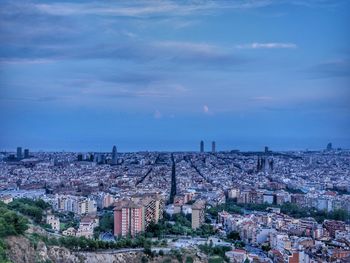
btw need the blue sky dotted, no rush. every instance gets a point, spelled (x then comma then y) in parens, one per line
(163, 75)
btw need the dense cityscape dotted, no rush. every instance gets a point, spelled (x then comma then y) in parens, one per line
(200, 206)
(174, 131)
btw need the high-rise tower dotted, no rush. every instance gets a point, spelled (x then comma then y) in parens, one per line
(329, 146)
(266, 149)
(114, 155)
(202, 147)
(213, 147)
(19, 152)
(26, 153)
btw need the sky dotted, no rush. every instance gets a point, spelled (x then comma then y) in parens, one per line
(163, 75)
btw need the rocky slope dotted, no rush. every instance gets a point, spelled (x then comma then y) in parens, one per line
(21, 250)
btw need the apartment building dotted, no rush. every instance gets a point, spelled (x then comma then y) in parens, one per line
(135, 214)
(128, 218)
(198, 215)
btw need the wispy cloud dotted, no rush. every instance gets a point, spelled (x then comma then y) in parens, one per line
(330, 69)
(263, 98)
(191, 54)
(165, 7)
(271, 45)
(206, 109)
(24, 61)
(188, 46)
(111, 90)
(146, 8)
(198, 54)
(157, 114)
(65, 9)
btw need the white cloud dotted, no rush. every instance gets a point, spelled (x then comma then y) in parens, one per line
(187, 46)
(272, 45)
(196, 52)
(129, 34)
(206, 109)
(157, 114)
(147, 8)
(123, 9)
(26, 61)
(263, 98)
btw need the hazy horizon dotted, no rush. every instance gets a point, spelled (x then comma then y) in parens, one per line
(138, 146)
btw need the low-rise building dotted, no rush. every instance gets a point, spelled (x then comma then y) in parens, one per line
(86, 226)
(53, 221)
(6, 199)
(71, 231)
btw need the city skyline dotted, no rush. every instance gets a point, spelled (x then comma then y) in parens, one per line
(162, 75)
(213, 149)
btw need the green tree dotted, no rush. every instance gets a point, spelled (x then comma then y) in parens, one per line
(233, 236)
(189, 259)
(3, 256)
(266, 247)
(15, 224)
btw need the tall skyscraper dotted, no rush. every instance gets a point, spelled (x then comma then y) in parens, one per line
(26, 153)
(329, 146)
(266, 149)
(202, 147)
(19, 152)
(213, 147)
(114, 155)
(100, 158)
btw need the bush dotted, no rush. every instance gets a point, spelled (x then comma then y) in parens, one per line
(230, 206)
(266, 247)
(233, 236)
(3, 257)
(31, 208)
(106, 224)
(189, 259)
(11, 223)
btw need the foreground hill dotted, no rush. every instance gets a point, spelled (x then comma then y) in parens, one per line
(22, 249)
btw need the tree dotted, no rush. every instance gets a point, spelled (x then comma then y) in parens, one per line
(106, 222)
(239, 244)
(233, 236)
(340, 214)
(3, 257)
(6, 229)
(29, 207)
(266, 247)
(148, 251)
(42, 204)
(14, 224)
